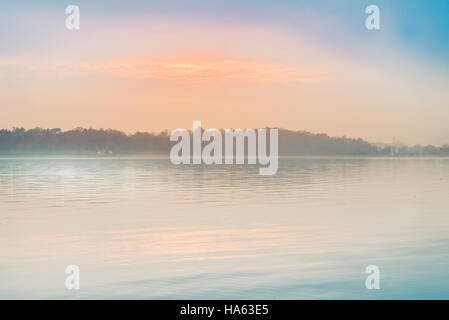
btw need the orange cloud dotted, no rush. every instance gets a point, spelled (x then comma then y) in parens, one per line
(174, 69)
(205, 70)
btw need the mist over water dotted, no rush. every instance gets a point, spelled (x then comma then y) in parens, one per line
(144, 228)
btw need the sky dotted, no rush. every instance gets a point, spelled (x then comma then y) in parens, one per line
(299, 65)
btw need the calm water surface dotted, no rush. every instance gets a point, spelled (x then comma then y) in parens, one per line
(143, 228)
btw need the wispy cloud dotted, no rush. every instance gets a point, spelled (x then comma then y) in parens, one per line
(207, 70)
(178, 70)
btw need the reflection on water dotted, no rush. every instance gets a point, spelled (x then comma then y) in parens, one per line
(143, 228)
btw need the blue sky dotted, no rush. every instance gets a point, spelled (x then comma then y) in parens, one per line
(421, 26)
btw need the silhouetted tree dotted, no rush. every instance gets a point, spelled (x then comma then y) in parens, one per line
(81, 141)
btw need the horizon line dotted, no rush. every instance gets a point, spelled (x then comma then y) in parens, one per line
(166, 131)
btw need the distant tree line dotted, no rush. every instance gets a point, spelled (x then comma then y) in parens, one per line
(81, 142)
(93, 142)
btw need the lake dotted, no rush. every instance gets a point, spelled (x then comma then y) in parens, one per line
(146, 229)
